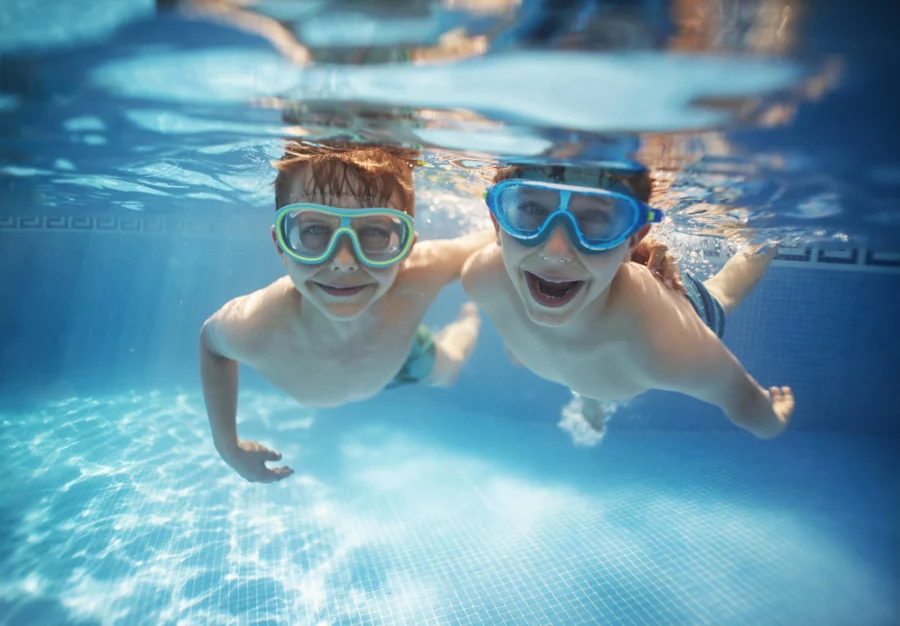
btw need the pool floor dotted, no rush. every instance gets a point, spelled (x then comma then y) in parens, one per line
(116, 510)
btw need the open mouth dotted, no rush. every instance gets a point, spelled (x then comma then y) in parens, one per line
(551, 292)
(339, 290)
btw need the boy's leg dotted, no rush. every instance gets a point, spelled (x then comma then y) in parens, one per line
(740, 275)
(594, 414)
(453, 345)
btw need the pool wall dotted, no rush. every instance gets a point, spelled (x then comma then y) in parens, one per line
(111, 303)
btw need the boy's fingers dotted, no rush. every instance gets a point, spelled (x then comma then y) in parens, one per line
(639, 254)
(270, 455)
(668, 271)
(788, 394)
(273, 475)
(657, 256)
(280, 473)
(264, 454)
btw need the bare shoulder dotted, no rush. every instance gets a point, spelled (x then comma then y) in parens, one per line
(243, 326)
(636, 298)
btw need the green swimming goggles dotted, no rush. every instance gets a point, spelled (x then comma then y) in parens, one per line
(309, 233)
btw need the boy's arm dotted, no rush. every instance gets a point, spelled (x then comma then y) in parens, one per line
(446, 257)
(708, 371)
(220, 348)
(219, 375)
(681, 354)
(479, 281)
(764, 413)
(480, 273)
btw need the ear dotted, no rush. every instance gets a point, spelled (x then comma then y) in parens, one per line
(638, 237)
(496, 228)
(277, 247)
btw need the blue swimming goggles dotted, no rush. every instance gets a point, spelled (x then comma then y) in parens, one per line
(596, 219)
(309, 233)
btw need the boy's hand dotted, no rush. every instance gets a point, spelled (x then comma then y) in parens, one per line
(782, 403)
(249, 460)
(656, 256)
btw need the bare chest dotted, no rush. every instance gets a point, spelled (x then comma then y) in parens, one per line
(602, 371)
(320, 371)
(599, 366)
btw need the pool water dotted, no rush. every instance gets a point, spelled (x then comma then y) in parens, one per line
(136, 149)
(410, 512)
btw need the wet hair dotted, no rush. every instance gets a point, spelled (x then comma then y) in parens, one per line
(640, 183)
(372, 173)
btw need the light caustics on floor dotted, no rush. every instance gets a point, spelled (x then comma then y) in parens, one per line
(120, 512)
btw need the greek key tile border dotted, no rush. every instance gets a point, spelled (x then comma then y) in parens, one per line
(853, 259)
(154, 225)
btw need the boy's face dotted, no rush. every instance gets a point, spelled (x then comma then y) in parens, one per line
(554, 279)
(341, 287)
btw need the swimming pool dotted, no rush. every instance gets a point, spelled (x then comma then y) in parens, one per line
(469, 505)
(428, 514)
(137, 200)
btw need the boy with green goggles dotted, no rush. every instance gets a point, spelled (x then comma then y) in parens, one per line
(346, 321)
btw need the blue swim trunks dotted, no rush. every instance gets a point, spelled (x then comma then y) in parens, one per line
(707, 307)
(420, 361)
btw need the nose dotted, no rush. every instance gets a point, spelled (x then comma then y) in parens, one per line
(556, 246)
(344, 259)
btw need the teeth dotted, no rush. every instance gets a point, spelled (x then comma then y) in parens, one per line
(553, 290)
(557, 296)
(554, 281)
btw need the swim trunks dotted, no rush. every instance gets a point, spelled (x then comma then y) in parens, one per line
(420, 361)
(707, 307)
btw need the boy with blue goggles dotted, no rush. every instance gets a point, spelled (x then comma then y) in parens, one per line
(569, 306)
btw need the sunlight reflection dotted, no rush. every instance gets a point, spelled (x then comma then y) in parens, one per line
(150, 522)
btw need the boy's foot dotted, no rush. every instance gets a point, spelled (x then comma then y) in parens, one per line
(454, 345)
(594, 414)
(585, 420)
(741, 274)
